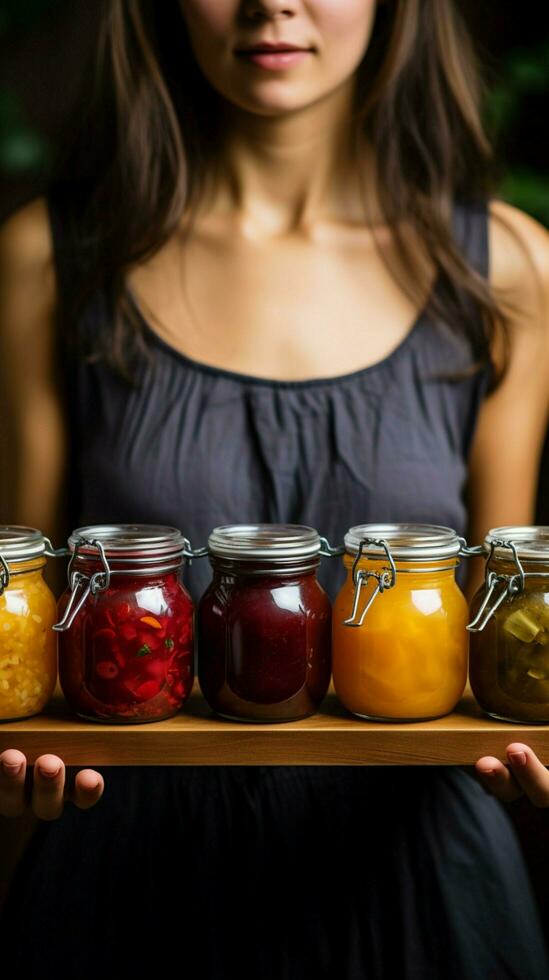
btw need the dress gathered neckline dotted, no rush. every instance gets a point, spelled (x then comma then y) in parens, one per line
(243, 377)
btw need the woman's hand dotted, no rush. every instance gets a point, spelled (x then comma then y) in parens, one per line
(524, 775)
(49, 789)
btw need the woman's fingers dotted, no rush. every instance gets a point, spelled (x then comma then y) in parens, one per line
(529, 773)
(86, 788)
(524, 774)
(498, 779)
(48, 787)
(52, 786)
(13, 767)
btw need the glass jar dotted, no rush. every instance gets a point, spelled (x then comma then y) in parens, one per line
(509, 645)
(264, 624)
(126, 629)
(28, 645)
(399, 649)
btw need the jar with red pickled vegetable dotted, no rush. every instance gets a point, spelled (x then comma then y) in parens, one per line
(264, 624)
(126, 632)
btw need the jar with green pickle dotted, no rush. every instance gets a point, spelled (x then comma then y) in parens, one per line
(509, 628)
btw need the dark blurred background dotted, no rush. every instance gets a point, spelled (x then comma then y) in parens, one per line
(44, 49)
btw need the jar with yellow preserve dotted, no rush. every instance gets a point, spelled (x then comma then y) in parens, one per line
(28, 645)
(509, 645)
(399, 642)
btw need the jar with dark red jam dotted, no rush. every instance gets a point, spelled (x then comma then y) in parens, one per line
(126, 629)
(264, 624)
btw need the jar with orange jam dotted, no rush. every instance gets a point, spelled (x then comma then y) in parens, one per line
(28, 645)
(399, 639)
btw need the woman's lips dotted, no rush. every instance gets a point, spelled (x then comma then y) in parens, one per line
(273, 60)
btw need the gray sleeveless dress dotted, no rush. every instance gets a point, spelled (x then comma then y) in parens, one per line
(276, 873)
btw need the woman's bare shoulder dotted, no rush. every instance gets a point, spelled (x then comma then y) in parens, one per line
(30, 399)
(506, 448)
(26, 246)
(519, 254)
(27, 272)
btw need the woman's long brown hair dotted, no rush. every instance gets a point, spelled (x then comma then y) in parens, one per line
(153, 126)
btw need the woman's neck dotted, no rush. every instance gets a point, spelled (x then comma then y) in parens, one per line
(286, 174)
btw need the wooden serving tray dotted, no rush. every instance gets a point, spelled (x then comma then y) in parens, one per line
(331, 737)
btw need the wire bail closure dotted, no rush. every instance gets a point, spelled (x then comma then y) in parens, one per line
(470, 551)
(385, 579)
(52, 552)
(328, 551)
(511, 585)
(4, 574)
(189, 552)
(98, 582)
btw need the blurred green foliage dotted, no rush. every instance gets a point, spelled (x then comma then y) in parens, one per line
(24, 15)
(23, 150)
(528, 190)
(516, 118)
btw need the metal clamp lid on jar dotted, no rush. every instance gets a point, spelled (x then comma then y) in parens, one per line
(141, 549)
(278, 543)
(509, 543)
(20, 545)
(414, 543)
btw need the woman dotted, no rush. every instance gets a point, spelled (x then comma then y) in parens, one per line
(236, 262)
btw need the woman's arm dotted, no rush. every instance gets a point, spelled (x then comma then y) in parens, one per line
(504, 459)
(506, 450)
(32, 447)
(32, 436)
